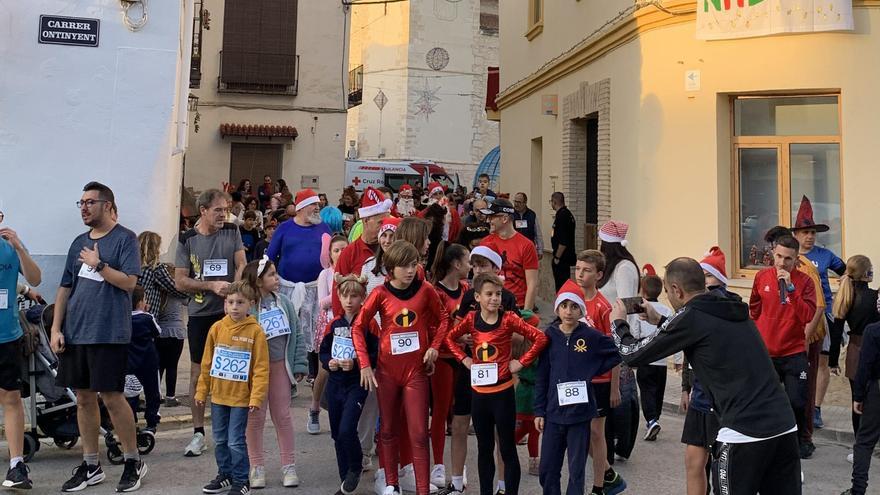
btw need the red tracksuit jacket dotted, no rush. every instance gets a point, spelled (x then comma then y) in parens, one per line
(494, 345)
(782, 326)
(420, 312)
(451, 300)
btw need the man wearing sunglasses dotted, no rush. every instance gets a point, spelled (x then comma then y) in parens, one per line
(91, 332)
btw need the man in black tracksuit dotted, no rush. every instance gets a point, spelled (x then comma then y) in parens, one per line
(757, 445)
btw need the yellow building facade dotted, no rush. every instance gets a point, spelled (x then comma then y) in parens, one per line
(693, 143)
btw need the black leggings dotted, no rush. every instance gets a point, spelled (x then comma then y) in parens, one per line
(856, 418)
(170, 350)
(491, 411)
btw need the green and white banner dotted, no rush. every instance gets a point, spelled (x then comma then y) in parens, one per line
(729, 19)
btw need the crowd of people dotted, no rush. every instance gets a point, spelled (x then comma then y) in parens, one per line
(412, 314)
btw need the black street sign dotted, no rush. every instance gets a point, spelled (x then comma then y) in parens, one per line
(78, 31)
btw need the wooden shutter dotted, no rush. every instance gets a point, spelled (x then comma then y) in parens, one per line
(254, 161)
(259, 44)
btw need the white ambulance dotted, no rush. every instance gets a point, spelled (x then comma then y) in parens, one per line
(366, 173)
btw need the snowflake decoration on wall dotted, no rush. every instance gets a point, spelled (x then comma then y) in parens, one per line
(427, 101)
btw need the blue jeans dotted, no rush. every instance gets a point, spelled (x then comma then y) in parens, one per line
(230, 449)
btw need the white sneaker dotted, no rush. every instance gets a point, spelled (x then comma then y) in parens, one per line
(406, 477)
(379, 482)
(849, 457)
(366, 462)
(390, 490)
(438, 475)
(258, 477)
(196, 446)
(290, 479)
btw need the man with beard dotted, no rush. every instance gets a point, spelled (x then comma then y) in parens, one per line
(296, 251)
(405, 205)
(451, 222)
(91, 332)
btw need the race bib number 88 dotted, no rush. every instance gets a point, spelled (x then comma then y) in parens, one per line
(572, 393)
(230, 364)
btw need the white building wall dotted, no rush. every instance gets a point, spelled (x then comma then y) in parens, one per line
(317, 111)
(71, 114)
(431, 114)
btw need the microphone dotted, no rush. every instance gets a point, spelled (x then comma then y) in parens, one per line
(783, 289)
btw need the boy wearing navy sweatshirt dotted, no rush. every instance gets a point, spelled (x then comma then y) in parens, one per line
(143, 359)
(564, 400)
(345, 396)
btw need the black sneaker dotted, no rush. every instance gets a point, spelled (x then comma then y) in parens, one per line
(350, 484)
(613, 483)
(132, 474)
(807, 449)
(239, 489)
(83, 476)
(450, 490)
(219, 484)
(17, 477)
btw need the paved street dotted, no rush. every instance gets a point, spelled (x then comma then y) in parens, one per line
(654, 469)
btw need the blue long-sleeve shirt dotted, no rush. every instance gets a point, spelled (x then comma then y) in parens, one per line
(824, 260)
(581, 356)
(869, 362)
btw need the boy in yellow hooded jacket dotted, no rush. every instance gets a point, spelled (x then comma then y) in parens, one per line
(235, 372)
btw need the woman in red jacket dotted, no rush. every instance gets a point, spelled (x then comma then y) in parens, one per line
(414, 325)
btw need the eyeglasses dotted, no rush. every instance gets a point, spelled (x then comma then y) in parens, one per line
(90, 203)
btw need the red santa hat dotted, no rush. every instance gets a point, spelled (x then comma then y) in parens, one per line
(405, 187)
(714, 263)
(490, 252)
(434, 188)
(805, 218)
(373, 203)
(614, 231)
(389, 223)
(305, 198)
(648, 270)
(570, 291)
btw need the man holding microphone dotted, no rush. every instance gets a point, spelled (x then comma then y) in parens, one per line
(782, 303)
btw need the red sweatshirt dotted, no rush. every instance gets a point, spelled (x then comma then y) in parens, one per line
(492, 344)
(599, 317)
(415, 310)
(351, 260)
(782, 326)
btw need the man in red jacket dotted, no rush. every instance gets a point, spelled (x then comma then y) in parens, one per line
(783, 302)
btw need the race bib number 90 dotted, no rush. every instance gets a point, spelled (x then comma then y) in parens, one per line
(404, 343)
(230, 364)
(343, 348)
(572, 393)
(484, 374)
(274, 323)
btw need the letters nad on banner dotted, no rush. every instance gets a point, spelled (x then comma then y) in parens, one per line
(730, 19)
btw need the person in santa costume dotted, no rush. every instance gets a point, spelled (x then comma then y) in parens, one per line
(296, 251)
(451, 220)
(405, 205)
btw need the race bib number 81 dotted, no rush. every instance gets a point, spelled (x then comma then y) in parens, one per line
(484, 374)
(572, 393)
(230, 364)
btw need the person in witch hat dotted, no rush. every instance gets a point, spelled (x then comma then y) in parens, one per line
(805, 230)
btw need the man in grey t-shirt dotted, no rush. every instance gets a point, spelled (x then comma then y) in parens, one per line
(209, 257)
(91, 332)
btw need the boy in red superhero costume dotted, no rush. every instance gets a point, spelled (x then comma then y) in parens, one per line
(414, 325)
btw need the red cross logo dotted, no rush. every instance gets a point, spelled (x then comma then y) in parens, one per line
(356, 181)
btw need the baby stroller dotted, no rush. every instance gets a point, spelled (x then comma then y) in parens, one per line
(53, 408)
